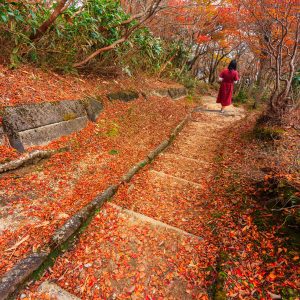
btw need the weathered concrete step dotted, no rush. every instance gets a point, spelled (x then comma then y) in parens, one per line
(198, 152)
(122, 256)
(182, 167)
(176, 157)
(174, 180)
(137, 217)
(167, 185)
(201, 128)
(53, 291)
(200, 140)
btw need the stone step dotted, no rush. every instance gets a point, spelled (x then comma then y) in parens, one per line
(135, 217)
(124, 255)
(178, 180)
(182, 167)
(198, 151)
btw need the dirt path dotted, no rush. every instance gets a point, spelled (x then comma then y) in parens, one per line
(153, 240)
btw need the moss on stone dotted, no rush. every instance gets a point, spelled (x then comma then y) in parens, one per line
(69, 117)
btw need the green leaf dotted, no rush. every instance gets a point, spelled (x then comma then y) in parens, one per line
(4, 17)
(113, 152)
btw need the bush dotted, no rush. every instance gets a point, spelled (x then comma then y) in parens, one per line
(267, 133)
(241, 97)
(189, 82)
(77, 33)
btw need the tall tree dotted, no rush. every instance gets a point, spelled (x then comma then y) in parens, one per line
(276, 26)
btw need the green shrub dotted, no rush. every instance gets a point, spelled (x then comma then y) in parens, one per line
(74, 36)
(267, 133)
(189, 82)
(241, 97)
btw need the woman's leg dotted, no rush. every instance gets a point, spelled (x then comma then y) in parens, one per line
(223, 108)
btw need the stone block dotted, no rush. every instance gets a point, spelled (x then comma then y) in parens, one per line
(45, 134)
(160, 93)
(39, 124)
(177, 92)
(24, 117)
(126, 95)
(93, 108)
(12, 280)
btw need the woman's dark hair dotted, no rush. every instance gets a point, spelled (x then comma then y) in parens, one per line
(232, 65)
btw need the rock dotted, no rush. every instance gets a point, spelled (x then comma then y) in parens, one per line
(72, 225)
(160, 148)
(173, 92)
(126, 95)
(53, 291)
(177, 92)
(130, 189)
(127, 177)
(93, 108)
(39, 124)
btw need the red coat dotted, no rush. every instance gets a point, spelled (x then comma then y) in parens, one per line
(226, 88)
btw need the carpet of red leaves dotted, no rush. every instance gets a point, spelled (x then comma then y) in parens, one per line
(32, 85)
(125, 259)
(258, 259)
(255, 262)
(40, 198)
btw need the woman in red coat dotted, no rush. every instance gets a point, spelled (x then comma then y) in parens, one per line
(227, 78)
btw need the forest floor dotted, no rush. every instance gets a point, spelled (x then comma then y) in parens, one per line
(186, 227)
